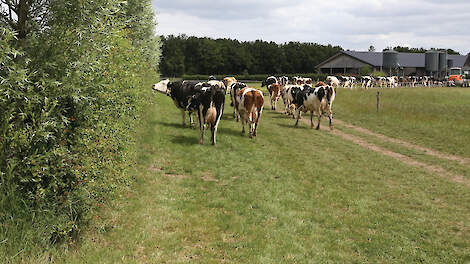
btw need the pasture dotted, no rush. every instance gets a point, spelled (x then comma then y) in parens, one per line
(297, 195)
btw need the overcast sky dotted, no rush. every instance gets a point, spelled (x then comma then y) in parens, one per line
(352, 24)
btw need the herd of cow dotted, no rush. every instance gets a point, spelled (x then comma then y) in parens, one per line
(207, 99)
(367, 82)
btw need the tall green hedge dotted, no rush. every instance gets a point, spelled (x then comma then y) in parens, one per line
(71, 94)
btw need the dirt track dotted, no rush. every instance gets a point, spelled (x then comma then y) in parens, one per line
(433, 169)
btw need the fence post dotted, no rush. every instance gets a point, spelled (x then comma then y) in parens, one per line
(378, 101)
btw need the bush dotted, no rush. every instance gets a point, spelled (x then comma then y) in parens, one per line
(70, 99)
(378, 74)
(366, 70)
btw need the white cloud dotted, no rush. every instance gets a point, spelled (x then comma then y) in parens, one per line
(352, 24)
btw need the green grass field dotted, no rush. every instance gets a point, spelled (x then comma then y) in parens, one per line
(292, 195)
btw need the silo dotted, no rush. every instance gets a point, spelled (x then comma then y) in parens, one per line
(390, 59)
(442, 61)
(432, 61)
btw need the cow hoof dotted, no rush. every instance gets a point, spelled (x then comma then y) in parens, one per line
(251, 136)
(317, 128)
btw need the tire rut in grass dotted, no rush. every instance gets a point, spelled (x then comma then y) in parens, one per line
(400, 157)
(428, 151)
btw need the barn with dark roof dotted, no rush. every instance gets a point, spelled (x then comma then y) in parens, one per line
(351, 62)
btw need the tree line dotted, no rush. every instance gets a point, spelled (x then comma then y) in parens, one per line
(189, 55)
(420, 50)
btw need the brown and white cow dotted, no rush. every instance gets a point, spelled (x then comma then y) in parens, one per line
(333, 81)
(234, 88)
(249, 103)
(228, 81)
(274, 94)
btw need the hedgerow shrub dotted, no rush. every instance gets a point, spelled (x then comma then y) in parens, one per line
(70, 99)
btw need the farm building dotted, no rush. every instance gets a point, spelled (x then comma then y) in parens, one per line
(350, 62)
(466, 66)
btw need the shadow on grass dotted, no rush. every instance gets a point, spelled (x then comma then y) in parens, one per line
(228, 117)
(282, 116)
(230, 131)
(185, 140)
(175, 125)
(300, 126)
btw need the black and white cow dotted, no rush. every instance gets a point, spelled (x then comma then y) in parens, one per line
(234, 88)
(208, 102)
(367, 82)
(270, 80)
(291, 92)
(180, 92)
(316, 100)
(284, 80)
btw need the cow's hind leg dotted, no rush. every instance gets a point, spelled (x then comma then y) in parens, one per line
(311, 119)
(256, 123)
(213, 133)
(330, 117)
(214, 127)
(319, 118)
(201, 126)
(243, 124)
(298, 117)
(191, 122)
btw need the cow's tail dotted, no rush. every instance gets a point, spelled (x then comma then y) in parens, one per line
(211, 114)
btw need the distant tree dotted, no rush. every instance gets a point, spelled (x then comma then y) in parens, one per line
(172, 63)
(420, 50)
(452, 52)
(193, 55)
(371, 48)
